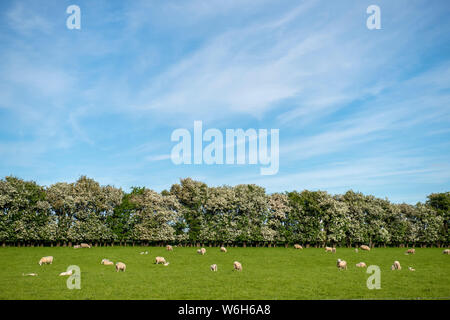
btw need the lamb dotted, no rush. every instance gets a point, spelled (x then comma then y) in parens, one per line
(214, 267)
(412, 251)
(85, 245)
(159, 260)
(297, 246)
(328, 249)
(46, 260)
(201, 251)
(446, 251)
(361, 265)
(67, 273)
(396, 266)
(77, 246)
(341, 264)
(223, 249)
(120, 266)
(364, 247)
(237, 266)
(169, 248)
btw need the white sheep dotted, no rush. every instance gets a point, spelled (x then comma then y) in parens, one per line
(237, 266)
(159, 260)
(297, 246)
(223, 249)
(46, 260)
(341, 264)
(446, 251)
(328, 249)
(361, 265)
(364, 247)
(213, 267)
(120, 266)
(67, 273)
(106, 262)
(396, 266)
(201, 251)
(169, 248)
(411, 269)
(85, 245)
(412, 251)
(77, 246)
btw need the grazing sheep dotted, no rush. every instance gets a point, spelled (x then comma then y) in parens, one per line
(169, 248)
(67, 273)
(159, 260)
(411, 269)
(328, 249)
(29, 274)
(237, 266)
(333, 250)
(214, 267)
(223, 249)
(361, 265)
(396, 266)
(120, 266)
(412, 251)
(341, 264)
(46, 260)
(446, 251)
(77, 246)
(364, 247)
(201, 251)
(85, 245)
(297, 246)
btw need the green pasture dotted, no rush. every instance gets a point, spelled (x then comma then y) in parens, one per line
(268, 273)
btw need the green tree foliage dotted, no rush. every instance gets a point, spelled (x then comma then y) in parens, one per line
(192, 211)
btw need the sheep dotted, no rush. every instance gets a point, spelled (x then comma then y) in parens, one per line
(85, 245)
(412, 251)
(328, 249)
(237, 266)
(120, 266)
(223, 249)
(341, 264)
(169, 248)
(396, 266)
(297, 246)
(46, 260)
(67, 273)
(106, 262)
(411, 269)
(201, 251)
(356, 250)
(446, 251)
(159, 260)
(361, 265)
(364, 247)
(213, 267)
(146, 252)
(77, 246)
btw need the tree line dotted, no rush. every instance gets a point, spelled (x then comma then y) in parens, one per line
(192, 213)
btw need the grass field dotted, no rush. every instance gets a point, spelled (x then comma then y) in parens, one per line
(268, 273)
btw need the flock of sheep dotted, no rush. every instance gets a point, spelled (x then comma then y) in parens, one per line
(120, 266)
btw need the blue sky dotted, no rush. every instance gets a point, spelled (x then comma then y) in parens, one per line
(357, 109)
